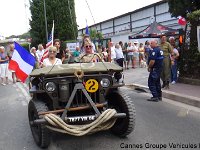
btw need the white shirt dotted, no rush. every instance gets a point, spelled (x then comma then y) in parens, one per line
(46, 62)
(119, 53)
(113, 54)
(130, 48)
(40, 54)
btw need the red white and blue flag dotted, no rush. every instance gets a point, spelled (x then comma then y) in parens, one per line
(49, 44)
(22, 62)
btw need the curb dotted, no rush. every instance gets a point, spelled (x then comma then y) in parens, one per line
(190, 100)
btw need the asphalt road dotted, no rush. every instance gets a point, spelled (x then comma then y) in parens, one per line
(159, 124)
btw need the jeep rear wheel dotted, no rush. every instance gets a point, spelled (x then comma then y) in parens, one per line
(40, 133)
(122, 104)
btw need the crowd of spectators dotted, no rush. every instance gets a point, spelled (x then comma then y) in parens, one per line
(129, 55)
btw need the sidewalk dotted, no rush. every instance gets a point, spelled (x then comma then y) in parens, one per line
(185, 93)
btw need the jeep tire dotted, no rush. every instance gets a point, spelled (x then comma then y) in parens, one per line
(40, 133)
(122, 103)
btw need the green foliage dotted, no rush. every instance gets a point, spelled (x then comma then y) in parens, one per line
(183, 7)
(25, 35)
(189, 64)
(63, 14)
(194, 15)
(12, 36)
(94, 35)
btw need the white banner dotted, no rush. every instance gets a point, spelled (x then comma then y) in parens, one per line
(72, 46)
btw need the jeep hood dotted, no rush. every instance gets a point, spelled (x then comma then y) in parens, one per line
(69, 69)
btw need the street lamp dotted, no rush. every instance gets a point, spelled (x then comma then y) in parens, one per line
(45, 17)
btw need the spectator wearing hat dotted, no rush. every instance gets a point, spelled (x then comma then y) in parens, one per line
(89, 55)
(86, 37)
(35, 54)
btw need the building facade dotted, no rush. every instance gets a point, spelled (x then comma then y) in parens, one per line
(120, 27)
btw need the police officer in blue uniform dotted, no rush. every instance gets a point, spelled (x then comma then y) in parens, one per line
(155, 62)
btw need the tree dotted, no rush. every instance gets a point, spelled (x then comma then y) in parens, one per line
(183, 7)
(63, 14)
(25, 35)
(95, 35)
(190, 59)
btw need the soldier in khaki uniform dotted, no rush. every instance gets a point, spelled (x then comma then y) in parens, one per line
(89, 55)
(167, 50)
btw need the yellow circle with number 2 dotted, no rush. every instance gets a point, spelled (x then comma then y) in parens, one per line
(91, 85)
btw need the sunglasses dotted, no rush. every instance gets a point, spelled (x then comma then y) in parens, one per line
(88, 46)
(52, 52)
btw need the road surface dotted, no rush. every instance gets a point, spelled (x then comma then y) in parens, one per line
(158, 126)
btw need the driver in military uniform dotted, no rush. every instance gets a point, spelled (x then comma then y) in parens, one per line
(155, 68)
(89, 55)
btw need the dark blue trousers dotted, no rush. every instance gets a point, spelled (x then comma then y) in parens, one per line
(154, 82)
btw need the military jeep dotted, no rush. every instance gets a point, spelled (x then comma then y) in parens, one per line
(78, 93)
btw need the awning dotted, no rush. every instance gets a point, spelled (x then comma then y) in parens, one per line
(155, 30)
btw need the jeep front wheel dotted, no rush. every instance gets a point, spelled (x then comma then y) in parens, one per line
(40, 133)
(122, 104)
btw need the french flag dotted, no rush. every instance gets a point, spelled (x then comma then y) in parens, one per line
(22, 62)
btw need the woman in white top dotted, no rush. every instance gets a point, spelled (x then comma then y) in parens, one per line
(52, 60)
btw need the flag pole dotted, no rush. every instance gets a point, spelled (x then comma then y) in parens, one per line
(45, 19)
(52, 33)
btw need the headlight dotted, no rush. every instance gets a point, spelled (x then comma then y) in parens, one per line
(50, 86)
(105, 82)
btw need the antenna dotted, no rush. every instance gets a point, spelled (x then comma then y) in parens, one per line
(91, 13)
(26, 22)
